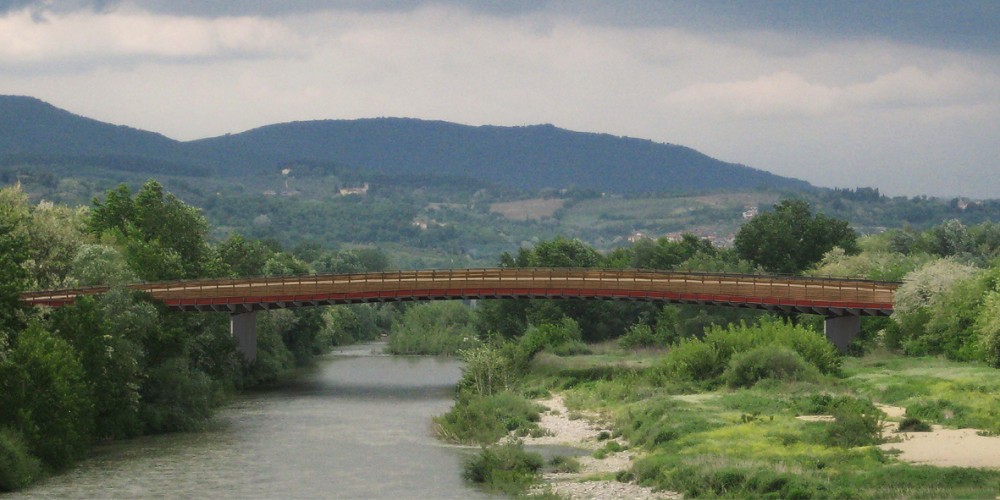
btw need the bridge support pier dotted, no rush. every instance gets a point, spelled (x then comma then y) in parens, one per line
(243, 326)
(841, 330)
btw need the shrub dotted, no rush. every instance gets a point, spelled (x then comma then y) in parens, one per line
(562, 465)
(693, 359)
(506, 468)
(706, 359)
(17, 467)
(856, 423)
(176, 397)
(433, 328)
(768, 362)
(641, 335)
(479, 419)
(44, 395)
(988, 328)
(911, 424)
(564, 336)
(492, 367)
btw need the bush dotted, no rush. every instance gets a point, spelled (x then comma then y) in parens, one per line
(479, 419)
(44, 395)
(564, 337)
(564, 465)
(856, 423)
(726, 479)
(506, 468)
(705, 359)
(17, 467)
(638, 336)
(911, 424)
(693, 359)
(176, 398)
(433, 328)
(768, 362)
(493, 367)
(988, 328)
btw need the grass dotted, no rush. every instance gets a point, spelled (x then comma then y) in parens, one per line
(747, 442)
(935, 390)
(504, 468)
(477, 419)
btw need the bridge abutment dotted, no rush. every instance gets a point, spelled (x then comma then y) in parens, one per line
(243, 326)
(841, 330)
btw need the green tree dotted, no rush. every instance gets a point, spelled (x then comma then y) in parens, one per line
(112, 364)
(244, 257)
(44, 395)
(666, 254)
(14, 220)
(163, 237)
(791, 239)
(55, 234)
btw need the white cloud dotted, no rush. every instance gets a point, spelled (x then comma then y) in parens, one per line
(778, 94)
(87, 38)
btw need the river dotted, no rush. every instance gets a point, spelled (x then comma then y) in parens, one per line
(357, 425)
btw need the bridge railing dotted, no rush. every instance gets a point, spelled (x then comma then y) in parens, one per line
(509, 282)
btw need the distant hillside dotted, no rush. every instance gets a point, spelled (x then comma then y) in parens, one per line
(526, 157)
(32, 130)
(533, 157)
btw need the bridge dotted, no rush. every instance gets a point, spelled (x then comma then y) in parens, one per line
(841, 301)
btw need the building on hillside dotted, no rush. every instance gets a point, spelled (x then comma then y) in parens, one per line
(362, 190)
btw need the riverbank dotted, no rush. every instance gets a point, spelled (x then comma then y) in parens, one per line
(681, 439)
(587, 431)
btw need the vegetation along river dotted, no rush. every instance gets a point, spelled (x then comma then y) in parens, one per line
(355, 426)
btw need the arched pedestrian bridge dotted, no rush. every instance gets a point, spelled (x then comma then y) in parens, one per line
(841, 301)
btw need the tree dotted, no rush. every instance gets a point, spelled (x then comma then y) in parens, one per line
(55, 234)
(244, 257)
(163, 237)
(791, 239)
(14, 219)
(44, 394)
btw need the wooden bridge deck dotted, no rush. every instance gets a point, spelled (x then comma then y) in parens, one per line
(829, 297)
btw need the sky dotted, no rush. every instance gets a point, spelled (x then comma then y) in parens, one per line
(899, 95)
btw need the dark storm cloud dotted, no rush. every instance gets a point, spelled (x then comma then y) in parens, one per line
(962, 25)
(57, 5)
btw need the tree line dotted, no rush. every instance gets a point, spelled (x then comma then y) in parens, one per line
(120, 365)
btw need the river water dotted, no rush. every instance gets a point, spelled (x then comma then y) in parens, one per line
(355, 426)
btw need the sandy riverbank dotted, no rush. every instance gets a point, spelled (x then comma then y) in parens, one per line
(940, 447)
(581, 430)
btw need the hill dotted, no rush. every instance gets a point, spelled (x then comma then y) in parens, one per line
(531, 157)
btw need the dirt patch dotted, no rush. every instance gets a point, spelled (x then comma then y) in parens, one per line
(947, 448)
(533, 209)
(939, 447)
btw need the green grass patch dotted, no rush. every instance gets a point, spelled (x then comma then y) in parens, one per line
(476, 419)
(950, 393)
(563, 465)
(504, 468)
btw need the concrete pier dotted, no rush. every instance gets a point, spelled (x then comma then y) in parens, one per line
(243, 326)
(841, 330)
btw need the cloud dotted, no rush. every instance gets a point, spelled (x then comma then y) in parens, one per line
(779, 94)
(85, 38)
(852, 112)
(789, 94)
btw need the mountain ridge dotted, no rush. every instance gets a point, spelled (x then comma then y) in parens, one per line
(530, 157)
